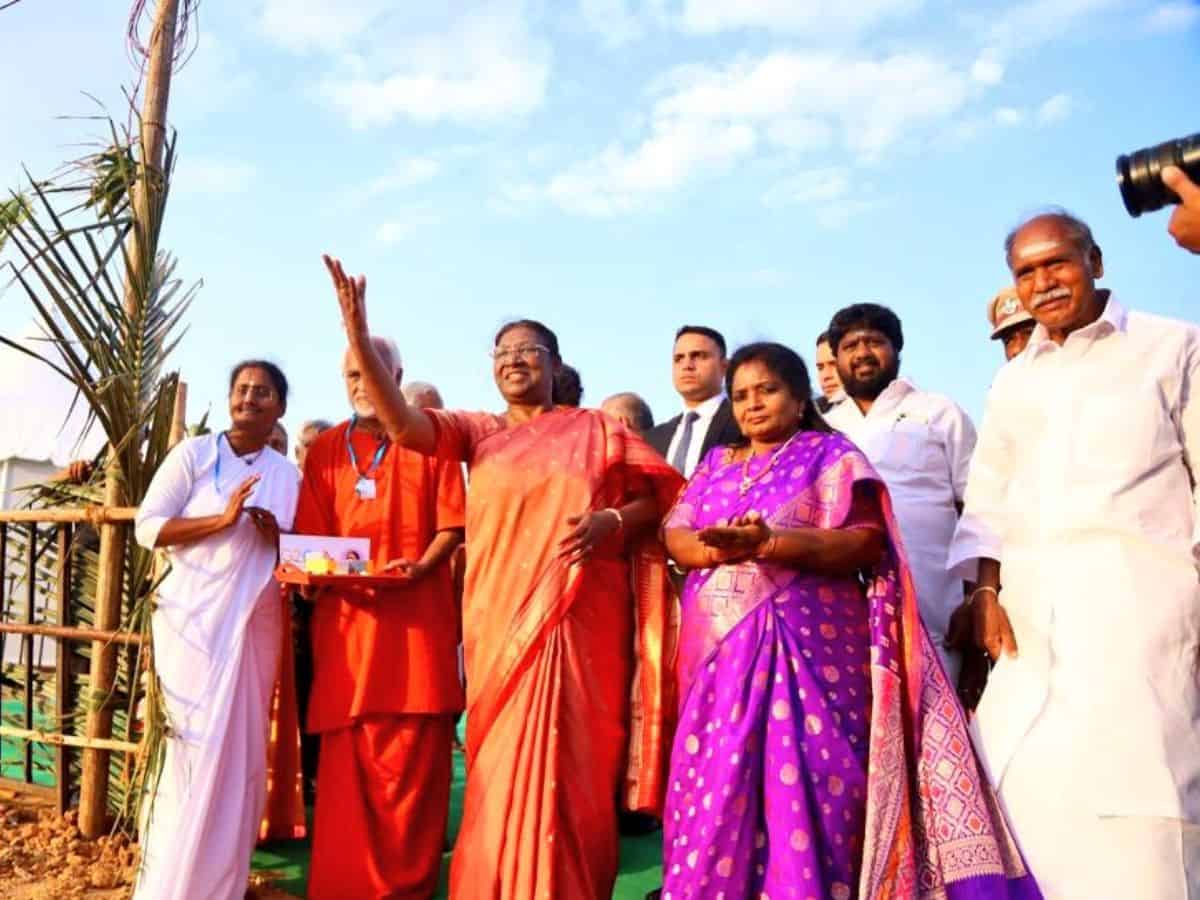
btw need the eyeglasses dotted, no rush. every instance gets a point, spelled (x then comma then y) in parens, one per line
(527, 352)
(257, 391)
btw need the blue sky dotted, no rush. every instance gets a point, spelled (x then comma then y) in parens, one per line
(618, 167)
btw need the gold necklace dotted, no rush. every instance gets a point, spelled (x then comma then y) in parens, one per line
(748, 481)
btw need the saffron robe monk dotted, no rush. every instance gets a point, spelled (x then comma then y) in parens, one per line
(385, 681)
(553, 631)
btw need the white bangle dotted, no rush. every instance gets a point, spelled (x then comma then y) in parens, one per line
(981, 589)
(620, 518)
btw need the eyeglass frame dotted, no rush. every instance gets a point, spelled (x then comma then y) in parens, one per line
(256, 391)
(499, 355)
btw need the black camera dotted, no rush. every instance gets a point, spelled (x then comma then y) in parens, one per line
(1139, 175)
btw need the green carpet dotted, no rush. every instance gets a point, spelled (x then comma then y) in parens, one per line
(12, 751)
(640, 871)
(287, 861)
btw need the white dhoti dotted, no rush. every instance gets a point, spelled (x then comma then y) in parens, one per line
(1076, 853)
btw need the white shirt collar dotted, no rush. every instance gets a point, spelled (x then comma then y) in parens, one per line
(1113, 319)
(889, 398)
(707, 409)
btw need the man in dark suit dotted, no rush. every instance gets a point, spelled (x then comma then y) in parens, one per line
(698, 365)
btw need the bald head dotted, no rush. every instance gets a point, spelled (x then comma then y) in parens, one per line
(356, 390)
(630, 409)
(422, 395)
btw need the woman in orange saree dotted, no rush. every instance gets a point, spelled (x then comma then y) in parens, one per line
(565, 607)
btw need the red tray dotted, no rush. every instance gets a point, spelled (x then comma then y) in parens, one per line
(289, 574)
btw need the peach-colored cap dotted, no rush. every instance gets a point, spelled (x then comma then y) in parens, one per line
(1005, 311)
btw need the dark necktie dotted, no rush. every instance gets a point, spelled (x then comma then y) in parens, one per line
(679, 459)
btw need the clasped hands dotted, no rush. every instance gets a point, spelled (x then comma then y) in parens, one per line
(735, 539)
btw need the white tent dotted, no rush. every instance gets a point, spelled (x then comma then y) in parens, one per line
(40, 433)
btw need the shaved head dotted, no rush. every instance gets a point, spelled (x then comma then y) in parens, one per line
(422, 395)
(352, 375)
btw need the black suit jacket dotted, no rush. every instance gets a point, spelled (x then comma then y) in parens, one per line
(721, 430)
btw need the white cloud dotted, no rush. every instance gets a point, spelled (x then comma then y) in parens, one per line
(872, 102)
(801, 133)
(1040, 21)
(811, 187)
(483, 68)
(318, 24)
(705, 118)
(1055, 109)
(207, 175)
(617, 22)
(809, 17)
(1009, 116)
(619, 180)
(405, 174)
(1173, 17)
(400, 229)
(988, 68)
(832, 195)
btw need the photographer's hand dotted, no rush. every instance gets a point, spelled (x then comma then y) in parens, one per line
(1185, 221)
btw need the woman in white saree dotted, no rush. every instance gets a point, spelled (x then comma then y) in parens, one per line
(216, 505)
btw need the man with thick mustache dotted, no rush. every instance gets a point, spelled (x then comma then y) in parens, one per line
(921, 444)
(385, 682)
(1081, 520)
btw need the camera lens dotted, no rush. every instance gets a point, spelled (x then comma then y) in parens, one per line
(1139, 175)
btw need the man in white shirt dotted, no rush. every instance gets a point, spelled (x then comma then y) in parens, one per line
(698, 364)
(1081, 521)
(921, 444)
(827, 376)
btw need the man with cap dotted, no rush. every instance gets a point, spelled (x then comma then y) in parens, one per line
(1011, 322)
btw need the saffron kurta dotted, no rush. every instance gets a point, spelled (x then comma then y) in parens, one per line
(385, 681)
(550, 652)
(217, 636)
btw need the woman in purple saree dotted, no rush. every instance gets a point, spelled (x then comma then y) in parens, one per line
(820, 751)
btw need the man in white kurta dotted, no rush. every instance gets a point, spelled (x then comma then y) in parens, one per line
(921, 444)
(1081, 513)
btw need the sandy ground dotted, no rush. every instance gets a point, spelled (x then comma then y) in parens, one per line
(43, 857)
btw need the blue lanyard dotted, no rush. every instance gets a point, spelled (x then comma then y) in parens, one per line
(379, 453)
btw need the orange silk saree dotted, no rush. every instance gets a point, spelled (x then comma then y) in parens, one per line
(568, 668)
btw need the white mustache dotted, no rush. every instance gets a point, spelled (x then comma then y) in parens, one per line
(1059, 293)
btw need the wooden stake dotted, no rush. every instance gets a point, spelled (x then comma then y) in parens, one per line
(179, 417)
(94, 783)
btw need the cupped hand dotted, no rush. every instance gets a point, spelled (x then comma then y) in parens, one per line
(405, 569)
(588, 531)
(237, 501)
(264, 521)
(737, 538)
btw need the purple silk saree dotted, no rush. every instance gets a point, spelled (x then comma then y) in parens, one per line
(820, 751)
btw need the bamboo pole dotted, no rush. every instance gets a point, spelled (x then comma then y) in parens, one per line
(95, 515)
(35, 736)
(93, 787)
(64, 653)
(93, 795)
(66, 633)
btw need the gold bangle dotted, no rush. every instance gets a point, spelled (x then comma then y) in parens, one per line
(620, 518)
